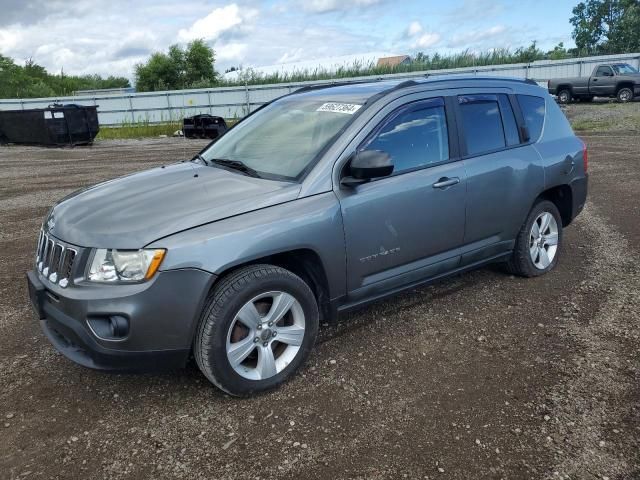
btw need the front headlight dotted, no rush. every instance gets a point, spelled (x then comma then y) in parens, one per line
(124, 265)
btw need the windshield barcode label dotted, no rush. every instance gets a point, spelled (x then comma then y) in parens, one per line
(348, 108)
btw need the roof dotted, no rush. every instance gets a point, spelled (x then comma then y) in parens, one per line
(393, 61)
(361, 91)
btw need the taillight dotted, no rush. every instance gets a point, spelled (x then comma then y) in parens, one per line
(585, 157)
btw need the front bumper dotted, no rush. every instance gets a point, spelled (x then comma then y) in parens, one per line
(161, 315)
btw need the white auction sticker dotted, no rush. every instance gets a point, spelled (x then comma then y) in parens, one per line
(348, 108)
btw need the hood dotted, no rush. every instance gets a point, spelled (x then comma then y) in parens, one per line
(132, 211)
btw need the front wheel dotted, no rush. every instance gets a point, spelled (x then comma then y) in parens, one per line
(625, 95)
(257, 328)
(538, 242)
(564, 96)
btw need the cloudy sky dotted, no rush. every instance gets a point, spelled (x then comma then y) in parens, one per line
(111, 36)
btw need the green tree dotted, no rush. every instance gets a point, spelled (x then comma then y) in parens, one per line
(528, 54)
(606, 26)
(33, 80)
(558, 52)
(199, 59)
(178, 68)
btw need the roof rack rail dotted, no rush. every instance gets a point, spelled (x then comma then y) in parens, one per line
(309, 88)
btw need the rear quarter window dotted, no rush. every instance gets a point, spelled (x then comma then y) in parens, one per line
(533, 111)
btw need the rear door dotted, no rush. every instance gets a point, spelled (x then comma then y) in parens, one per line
(405, 227)
(504, 173)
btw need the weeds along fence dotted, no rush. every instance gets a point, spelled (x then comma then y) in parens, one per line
(236, 102)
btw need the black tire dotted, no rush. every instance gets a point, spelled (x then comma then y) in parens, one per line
(221, 307)
(625, 95)
(520, 262)
(564, 96)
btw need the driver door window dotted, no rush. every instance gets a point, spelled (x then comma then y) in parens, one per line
(415, 137)
(604, 72)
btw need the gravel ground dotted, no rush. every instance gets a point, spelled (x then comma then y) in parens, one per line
(481, 376)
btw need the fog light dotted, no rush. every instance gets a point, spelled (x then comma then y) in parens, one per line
(119, 327)
(113, 327)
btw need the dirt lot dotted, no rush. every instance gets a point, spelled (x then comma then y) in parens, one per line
(605, 115)
(481, 376)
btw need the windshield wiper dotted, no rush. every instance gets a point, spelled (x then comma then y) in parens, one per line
(199, 157)
(236, 165)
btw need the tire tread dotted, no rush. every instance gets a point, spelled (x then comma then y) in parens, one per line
(227, 288)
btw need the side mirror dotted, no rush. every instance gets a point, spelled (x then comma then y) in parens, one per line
(366, 165)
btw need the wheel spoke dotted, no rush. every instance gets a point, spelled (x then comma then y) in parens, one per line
(544, 258)
(535, 230)
(545, 219)
(266, 363)
(292, 335)
(533, 251)
(551, 239)
(249, 316)
(282, 303)
(238, 351)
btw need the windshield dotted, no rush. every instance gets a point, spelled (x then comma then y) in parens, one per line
(624, 68)
(283, 139)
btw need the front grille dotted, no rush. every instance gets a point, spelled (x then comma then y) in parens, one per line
(55, 259)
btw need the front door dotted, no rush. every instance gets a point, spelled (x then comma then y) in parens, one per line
(405, 227)
(603, 82)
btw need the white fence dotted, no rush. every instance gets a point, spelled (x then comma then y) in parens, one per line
(236, 102)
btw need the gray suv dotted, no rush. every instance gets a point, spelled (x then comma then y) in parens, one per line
(317, 203)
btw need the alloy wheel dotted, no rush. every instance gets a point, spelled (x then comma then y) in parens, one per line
(265, 335)
(543, 240)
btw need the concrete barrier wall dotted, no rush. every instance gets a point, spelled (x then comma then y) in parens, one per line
(236, 102)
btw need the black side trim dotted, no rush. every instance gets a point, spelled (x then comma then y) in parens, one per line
(342, 304)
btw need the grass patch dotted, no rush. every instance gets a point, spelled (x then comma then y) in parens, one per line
(138, 130)
(419, 62)
(590, 125)
(145, 129)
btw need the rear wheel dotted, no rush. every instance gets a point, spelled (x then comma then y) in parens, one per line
(538, 243)
(564, 96)
(625, 95)
(257, 328)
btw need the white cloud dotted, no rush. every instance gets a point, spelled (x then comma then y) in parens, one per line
(219, 21)
(295, 55)
(476, 37)
(231, 52)
(323, 6)
(414, 29)
(426, 40)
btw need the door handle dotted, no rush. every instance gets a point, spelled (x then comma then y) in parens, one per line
(445, 182)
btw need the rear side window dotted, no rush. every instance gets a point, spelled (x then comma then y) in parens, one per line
(415, 137)
(533, 111)
(509, 121)
(482, 123)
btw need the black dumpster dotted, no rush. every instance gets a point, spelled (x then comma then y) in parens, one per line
(56, 125)
(203, 126)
